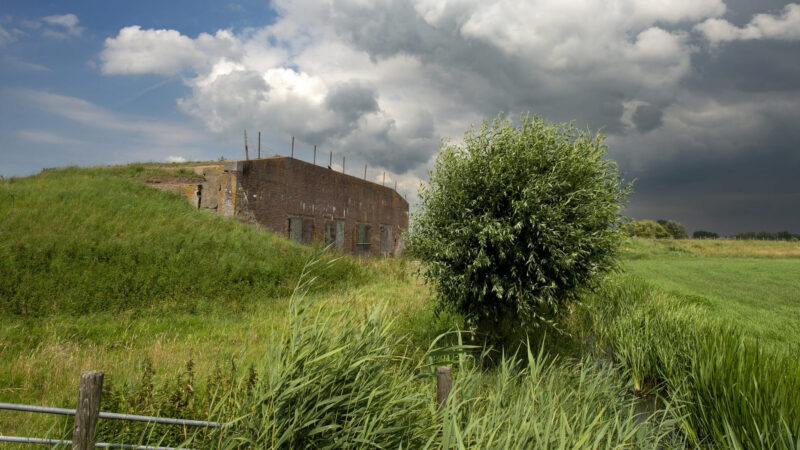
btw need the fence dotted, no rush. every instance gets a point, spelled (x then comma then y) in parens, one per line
(88, 412)
(86, 415)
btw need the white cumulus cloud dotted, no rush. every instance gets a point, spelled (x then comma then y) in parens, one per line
(165, 52)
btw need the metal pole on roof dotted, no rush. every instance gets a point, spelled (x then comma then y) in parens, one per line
(365, 171)
(246, 153)
(330, 163)
(315, 155)
(292, 146)
(383, 183)
(259, 145)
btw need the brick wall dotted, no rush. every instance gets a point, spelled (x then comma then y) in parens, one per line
(272, 190)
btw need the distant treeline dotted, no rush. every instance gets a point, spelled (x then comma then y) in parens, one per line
(671, 229)
(767, 236)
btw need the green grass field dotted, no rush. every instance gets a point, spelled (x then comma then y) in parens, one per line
(98, 271)
(754, 286)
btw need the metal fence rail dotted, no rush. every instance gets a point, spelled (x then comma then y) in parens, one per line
(27, 440)
(110, 415)
(86, 416)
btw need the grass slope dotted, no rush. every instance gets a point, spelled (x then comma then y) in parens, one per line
(99, 271)
(99, 240)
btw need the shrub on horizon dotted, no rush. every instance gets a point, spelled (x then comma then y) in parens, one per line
(674, 228)
(648, 229)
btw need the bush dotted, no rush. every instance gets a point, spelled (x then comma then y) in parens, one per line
(516, 219)
(675, 229)
(702, 234)
(647, 229)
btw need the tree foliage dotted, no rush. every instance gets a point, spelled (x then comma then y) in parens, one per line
(517, 218)
(767, 236)
(674, 228)
(647, 229)
(703, 234)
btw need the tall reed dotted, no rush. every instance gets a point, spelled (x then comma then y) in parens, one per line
(341, 380)
(733, 390)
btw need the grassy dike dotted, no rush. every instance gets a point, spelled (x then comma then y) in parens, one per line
(191, 315)
(99, 271)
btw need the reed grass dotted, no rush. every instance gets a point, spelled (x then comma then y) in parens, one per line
(339, 380)
(733, 389)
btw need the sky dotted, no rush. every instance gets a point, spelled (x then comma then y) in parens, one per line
(699, 99)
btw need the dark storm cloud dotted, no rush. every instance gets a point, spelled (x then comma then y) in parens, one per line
(726, 183)
(746, 66)
(647, 118)
(756, 186)
(752, 187)
(351, 101)
(739, 12)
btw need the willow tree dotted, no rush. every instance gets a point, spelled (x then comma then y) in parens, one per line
(516, 219)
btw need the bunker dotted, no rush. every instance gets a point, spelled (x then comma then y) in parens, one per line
(302, 201)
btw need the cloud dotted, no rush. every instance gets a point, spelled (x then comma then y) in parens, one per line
(647, 117)
(6, 37)
(61, 26)
(358, 77)
(175, 159)
(47, 137)
(351, 100)
(164, 52)
(25, 65)
(783, 26)
(88, 114)
(384, 81)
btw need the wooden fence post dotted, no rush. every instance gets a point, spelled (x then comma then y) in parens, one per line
(443, 385)
(88, 410)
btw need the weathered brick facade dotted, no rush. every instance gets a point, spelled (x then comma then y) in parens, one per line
(307, 202)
